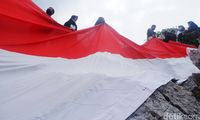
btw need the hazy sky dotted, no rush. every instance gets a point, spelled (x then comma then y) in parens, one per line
(131, 18)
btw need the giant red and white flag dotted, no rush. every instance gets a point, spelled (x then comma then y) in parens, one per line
(48, 72)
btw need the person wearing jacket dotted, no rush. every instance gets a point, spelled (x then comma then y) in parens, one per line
(192, 26)
(150, 32)
(71, 23)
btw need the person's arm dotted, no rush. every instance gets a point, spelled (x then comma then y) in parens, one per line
(73, 27)
(67, 24)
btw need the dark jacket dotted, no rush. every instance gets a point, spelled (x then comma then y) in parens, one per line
(150, 33)
(71, 23)
(193, 26)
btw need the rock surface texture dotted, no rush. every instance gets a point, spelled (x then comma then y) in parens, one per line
(173, 101)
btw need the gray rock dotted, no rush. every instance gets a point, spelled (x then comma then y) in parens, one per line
(189, 84)
(168, 102)
(195, 57)
(196, 78)
(180, 98)
(155, 107)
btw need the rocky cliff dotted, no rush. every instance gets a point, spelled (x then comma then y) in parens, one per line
(173, 101)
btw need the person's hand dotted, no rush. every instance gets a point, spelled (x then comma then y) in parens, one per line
(72, 27)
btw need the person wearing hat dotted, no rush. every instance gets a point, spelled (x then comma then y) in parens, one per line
(100, 20)
(71, 23)
(192, 26)
(50, 11)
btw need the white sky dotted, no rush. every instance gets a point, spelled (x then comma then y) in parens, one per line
(131, 18)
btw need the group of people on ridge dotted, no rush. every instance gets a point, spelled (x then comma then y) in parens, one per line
(181, 35)
(71, 23)
(187, 36)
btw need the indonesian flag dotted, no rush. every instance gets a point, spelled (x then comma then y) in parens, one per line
(48, 72)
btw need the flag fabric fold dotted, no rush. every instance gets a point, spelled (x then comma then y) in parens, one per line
(48, 72)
